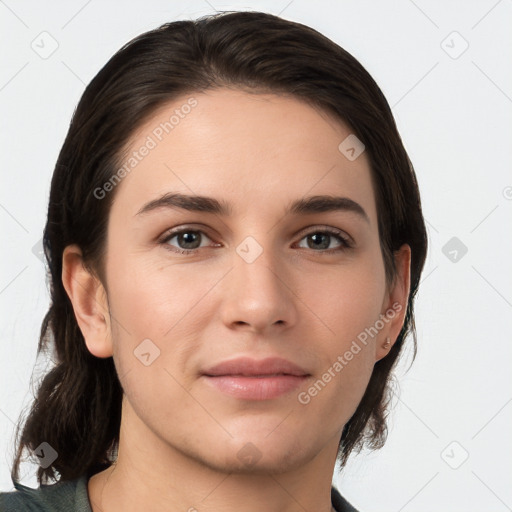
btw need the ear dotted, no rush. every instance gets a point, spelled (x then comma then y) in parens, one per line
(89, 300)
(394, 306)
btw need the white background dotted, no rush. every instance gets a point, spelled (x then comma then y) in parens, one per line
(454, 115)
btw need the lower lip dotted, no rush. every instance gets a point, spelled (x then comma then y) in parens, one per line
(256, 388)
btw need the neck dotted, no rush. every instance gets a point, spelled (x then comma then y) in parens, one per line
(149, 474)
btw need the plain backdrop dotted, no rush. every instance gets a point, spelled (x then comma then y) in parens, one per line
(446, 70)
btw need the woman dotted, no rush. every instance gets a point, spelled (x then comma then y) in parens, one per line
(235, 241)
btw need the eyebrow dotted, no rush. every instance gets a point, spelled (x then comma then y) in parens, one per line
(307, 205)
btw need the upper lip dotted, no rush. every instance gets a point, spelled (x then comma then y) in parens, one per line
(246, 366)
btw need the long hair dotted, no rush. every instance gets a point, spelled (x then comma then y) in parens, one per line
(77, 408)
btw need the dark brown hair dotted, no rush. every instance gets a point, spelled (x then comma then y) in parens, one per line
(77, 409)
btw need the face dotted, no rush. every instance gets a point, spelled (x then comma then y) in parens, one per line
(232, 318)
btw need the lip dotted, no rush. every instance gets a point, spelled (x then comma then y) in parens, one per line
(252, 379)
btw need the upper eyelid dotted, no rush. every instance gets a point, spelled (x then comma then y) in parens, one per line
(171, 234)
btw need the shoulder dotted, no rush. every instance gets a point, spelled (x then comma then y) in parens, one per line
(67, 496)
(340, 503)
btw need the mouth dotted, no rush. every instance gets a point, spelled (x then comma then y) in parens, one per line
(251, 379)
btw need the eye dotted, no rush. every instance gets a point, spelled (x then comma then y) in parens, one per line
(320, 240)
(187, 240)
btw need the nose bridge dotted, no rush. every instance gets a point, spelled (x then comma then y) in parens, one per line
(256, 265)
(258, 294)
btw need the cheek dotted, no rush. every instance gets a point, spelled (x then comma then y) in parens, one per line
(152, 299)
(158, 304)
(349, 303)
(348, 300)
(164, 304)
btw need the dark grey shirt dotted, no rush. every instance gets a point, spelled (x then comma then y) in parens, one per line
(71, 496)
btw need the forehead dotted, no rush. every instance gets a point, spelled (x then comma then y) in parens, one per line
(242, 147)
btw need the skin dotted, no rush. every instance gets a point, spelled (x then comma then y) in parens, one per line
(179, 436)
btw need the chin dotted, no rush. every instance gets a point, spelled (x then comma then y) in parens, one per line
(254, 461)
(268, 453)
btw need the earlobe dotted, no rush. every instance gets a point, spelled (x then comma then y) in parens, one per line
(395, 305)
(89, 301)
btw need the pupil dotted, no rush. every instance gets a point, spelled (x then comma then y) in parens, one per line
(188, 238)
(318, 237)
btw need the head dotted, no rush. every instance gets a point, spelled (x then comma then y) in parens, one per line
(261, 114)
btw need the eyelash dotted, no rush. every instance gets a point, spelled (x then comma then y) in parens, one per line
(345, 242)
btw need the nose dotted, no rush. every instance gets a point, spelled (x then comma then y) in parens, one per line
(258, 294)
